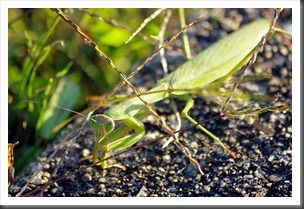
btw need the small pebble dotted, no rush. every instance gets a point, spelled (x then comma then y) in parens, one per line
(102, 180)
(274, 178)
(86, 152)
(161, 169)
(283, 50)
(194, 145)
(268, 55)
(269, 185)
(232, 140)
(54, 190)
(270, 159)
(275, 49)
(114, 180)
(46, 166)
(258, 174)
(91, 191)
(143, 192)
(206, 188)
(86, 177)
(223, 184)
(118, 191)
(167, 158)
(248, 176)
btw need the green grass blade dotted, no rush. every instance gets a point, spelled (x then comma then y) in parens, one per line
(45, 52)
(37, 48)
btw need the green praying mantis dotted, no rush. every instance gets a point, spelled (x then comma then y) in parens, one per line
(212, 66)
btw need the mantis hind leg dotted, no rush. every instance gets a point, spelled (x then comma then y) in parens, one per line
(189, 104)
(118, 140)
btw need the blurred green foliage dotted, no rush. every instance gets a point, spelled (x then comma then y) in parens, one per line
(50, 65)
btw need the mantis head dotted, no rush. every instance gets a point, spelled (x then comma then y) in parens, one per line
(102, 125)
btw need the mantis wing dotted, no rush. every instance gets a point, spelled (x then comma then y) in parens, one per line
(219, 59)
(222, 58)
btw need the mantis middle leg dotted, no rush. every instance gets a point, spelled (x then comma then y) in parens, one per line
(189, 104)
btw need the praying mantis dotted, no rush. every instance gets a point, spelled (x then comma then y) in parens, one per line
(207, 68)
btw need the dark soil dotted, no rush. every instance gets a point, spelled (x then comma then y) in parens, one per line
(264, 161)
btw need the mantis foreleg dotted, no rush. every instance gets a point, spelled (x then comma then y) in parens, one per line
(131, 139)
(118, 141)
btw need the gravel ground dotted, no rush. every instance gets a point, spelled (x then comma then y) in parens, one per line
(263, 165)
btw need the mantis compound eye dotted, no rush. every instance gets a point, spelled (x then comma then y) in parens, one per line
(102, 125)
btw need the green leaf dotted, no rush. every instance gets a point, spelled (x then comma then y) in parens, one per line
(66, 95)
(114, 37)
